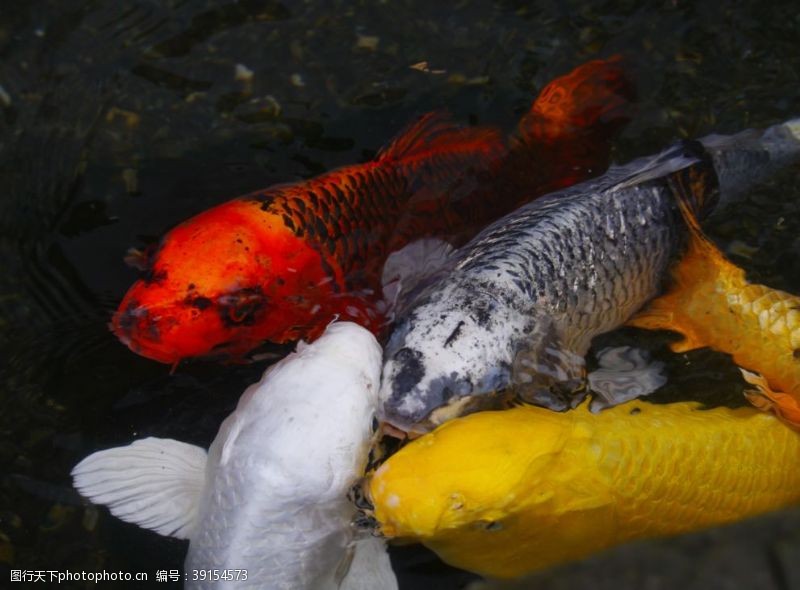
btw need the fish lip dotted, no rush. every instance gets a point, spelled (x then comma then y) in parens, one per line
(456, 406)
(414, 409)
(438, 405)
(126, 325)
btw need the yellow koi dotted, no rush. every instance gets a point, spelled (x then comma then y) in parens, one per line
(712, 304)
(507, 493)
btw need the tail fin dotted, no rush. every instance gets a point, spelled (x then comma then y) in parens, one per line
(566, 136)
(750, 157)
(595, 97)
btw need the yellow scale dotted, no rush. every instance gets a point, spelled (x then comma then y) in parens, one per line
(510, 492)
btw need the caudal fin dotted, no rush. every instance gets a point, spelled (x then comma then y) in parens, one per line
(566, 136)
(594, 98)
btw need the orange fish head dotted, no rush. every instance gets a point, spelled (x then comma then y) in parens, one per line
(216, 286)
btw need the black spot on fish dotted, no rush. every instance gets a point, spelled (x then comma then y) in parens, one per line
(454, 334)
(410, 374)
(153, 277)
(635, 411)
(191, 287)
(153, 332)
(322, 230)
(483, 315)
(200, 303)
(241, 308)
(328, 269)
(288, 221)
(127, 318)
(796, 354)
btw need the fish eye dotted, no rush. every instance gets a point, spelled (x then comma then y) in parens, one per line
(491, 525)
(241, 307)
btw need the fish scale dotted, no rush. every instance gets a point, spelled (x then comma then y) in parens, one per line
(536, 488)
(711, 302)
(281, 263)
(519, 304)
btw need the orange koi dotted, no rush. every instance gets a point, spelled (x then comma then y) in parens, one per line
(711, 303)
(277, 265)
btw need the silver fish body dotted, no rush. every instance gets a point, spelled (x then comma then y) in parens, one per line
(519, 305)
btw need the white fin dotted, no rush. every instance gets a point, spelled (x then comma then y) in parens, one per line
(625, 373)
(154, 482)
(370, 568)
(406, 268)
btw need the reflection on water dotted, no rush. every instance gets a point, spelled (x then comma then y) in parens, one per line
(119, 119)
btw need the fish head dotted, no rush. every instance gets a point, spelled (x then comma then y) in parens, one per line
(499, 493)
(447, 356)
(217, 285)
(468, 476)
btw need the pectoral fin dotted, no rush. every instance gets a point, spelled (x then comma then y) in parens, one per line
(664, 313)
(409, 268)
(784, 406)
(696, 274)
(625, 373)
(155, 483)
(369, 567)
(545, 373)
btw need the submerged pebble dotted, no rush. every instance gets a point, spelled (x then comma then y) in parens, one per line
(5, 98)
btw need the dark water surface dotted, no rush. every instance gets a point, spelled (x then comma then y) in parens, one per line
(119, 119)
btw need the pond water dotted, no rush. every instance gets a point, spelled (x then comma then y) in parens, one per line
(119, 119)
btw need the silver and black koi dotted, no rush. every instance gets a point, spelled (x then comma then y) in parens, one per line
(516, 308)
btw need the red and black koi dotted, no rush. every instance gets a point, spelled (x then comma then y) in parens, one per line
(277, 265)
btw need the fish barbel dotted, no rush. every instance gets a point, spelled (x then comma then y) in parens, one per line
(506, 493)
(279, 264)
(517, 307)
(711, 303)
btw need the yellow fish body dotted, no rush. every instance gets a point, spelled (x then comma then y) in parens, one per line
(507, 493)
(712, 304)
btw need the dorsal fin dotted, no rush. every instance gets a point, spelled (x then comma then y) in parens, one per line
(701, 252)
(436, 133)
(696, 187)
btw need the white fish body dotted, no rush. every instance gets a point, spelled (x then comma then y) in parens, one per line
(270, 498)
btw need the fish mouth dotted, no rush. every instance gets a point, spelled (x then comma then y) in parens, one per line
(142, 330)
(455, 407)
(133, 324)
(409, 408)
(417, 395)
